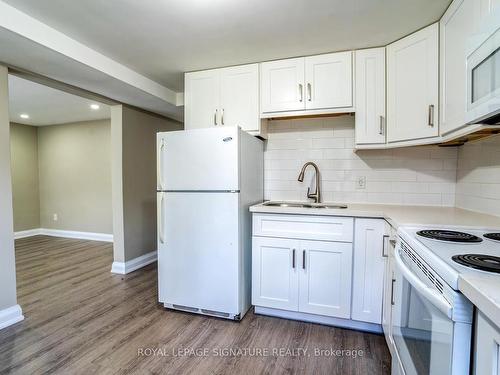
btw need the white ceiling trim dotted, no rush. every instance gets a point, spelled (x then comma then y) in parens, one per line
(32, 29)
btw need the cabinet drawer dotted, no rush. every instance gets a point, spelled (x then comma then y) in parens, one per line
(325, 228)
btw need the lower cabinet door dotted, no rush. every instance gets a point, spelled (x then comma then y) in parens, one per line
(275, 280)
(487, 350)
(370, 247)
(325, 275)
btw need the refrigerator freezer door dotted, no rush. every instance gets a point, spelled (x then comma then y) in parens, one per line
(200, 160)
(199, 261)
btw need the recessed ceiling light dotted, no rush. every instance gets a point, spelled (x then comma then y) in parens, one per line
(24, 115)
(95, 107)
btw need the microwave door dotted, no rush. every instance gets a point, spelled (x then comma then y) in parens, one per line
(483, 81)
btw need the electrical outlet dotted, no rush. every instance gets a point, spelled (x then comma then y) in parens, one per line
(55, 217)
(361, 182)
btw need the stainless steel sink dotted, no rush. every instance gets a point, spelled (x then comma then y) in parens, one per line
(303, 205)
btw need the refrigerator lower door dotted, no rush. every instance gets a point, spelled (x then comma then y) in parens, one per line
(199, 260)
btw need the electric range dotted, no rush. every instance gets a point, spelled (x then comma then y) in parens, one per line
(431, 320)
(451, 251)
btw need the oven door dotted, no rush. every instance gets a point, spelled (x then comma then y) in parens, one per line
(422, 327)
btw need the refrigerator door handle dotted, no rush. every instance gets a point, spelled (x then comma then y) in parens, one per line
(159, 165)
(161, 223)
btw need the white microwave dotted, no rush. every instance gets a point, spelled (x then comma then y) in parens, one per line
(483, 82)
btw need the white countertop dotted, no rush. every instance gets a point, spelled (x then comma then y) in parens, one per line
(482, 289)
(396, 215)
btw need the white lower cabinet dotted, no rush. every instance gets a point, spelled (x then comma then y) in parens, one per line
(325, 269)
(306, 276)
(487, 350)
(275, 280)
(387, 300)
(325, 278)
(370, 244)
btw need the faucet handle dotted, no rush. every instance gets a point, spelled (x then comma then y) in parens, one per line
(309, 192)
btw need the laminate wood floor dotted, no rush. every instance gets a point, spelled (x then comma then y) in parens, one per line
(81, 319)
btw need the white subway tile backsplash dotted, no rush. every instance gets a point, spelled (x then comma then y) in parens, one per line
(328, 143)
(416, 175)
(478, 176)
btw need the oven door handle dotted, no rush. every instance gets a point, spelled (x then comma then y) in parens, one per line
(430, 294)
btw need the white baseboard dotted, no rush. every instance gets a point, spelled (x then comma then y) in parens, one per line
(123, 268)
(326, 320)
(10, 315)
(27, 233)
(104, 237)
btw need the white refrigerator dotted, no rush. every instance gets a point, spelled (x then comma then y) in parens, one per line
(207, 179)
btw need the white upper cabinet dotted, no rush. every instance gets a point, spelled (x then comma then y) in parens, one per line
(484, 9)
(329, 81)
(456, 28)
(201, 99)
(370, 96)
(412, 86)
(322, 82)
(239, 97)
(282, 85)
(227, 96)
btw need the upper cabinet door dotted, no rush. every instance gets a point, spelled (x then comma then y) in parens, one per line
(370, 96)
(329, 81)
(412, 86)
(201, 99)
(282, 85)
(239, 104)
(456, 28)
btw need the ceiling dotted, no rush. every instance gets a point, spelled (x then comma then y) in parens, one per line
(163, 39)
(47, 106)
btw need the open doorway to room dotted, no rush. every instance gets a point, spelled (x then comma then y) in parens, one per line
(61, 183)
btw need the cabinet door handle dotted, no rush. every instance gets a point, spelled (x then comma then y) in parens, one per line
(215, 118)
(293, 258)
(303, 259)
(431, 116)
(392, 291)
(301, 92)
(381, 126)
(222, 117)
(309, 92)
(384, 255)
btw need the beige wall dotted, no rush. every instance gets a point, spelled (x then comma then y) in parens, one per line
(135, 155)
(24, 161)
(75, 176)
(7, 259)
(478, 176)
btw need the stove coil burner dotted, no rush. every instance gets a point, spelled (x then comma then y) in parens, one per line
(492, 236)
(449, 236)
(481, 262)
